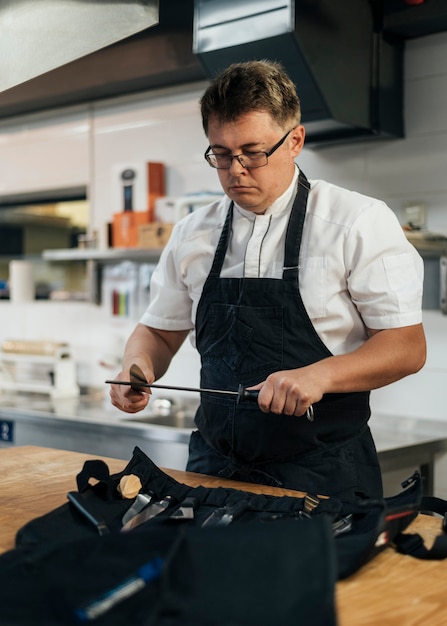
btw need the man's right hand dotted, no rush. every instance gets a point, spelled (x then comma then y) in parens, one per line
(127, 399)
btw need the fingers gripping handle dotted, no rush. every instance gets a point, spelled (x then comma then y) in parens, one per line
(251, 395)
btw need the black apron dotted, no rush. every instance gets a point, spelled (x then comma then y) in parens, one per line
(246, 329)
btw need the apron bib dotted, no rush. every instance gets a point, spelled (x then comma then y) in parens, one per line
(248, 328)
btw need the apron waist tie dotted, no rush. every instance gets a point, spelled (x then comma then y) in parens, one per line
(248, 473)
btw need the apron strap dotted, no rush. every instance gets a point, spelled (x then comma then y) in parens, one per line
(295, 230)
(222, 246)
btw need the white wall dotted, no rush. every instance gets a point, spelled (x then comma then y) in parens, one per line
(46, 151)
(90, 145)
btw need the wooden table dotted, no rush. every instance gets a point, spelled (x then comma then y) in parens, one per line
(391, 589)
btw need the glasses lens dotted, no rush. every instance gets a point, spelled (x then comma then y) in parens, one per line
(248, 160)
(220, 161)
(253, 159)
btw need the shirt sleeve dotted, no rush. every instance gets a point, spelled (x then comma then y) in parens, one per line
(170, 306)
(386, 272)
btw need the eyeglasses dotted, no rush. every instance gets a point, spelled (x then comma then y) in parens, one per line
(247, 159)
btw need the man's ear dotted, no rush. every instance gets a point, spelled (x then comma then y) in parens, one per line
(298, 136)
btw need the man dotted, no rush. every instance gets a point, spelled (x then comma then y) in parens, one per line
(303, 291)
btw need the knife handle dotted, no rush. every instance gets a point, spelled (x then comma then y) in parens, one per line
(79, 502)
(226, 514)
(190, 501)
(234, 511)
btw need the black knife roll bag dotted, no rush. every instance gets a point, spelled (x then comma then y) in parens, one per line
(275, 564)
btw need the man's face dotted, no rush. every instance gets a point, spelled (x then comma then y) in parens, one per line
(255, 189)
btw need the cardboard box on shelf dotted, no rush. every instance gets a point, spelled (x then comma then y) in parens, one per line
(154, 235)
(125, 228)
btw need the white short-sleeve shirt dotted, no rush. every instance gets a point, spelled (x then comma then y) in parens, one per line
(357, 268)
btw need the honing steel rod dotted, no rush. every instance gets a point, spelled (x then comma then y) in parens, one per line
(241, 394)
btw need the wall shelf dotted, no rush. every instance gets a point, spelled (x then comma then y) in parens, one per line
(109, 255)
(95, 260)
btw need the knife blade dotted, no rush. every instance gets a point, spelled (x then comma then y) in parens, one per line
(152, 510)
(226, 514)
(140, 502)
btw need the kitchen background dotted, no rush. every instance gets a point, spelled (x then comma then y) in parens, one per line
(87, 146)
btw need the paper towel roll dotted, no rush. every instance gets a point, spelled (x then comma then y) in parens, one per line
(21, 281)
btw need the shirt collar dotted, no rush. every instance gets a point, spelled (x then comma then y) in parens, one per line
(280, 205)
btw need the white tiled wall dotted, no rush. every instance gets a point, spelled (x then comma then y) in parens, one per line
(90, 145)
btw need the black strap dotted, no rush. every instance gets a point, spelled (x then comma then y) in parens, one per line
(413, 544)
(97, 469)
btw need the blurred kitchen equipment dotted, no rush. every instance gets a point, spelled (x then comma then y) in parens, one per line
(21, 281)
(171, 209)
(127, 177)
(120, 290)
(44, 367)
(88, 241)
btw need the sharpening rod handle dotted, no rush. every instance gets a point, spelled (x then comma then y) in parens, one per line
(246, 394)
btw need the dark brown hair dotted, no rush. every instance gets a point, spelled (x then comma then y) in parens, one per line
(251, 86)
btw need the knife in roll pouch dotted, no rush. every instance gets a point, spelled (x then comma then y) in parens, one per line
(141, 502)
(152, 510)
(186, 509)
(84, 508)
(226, 514)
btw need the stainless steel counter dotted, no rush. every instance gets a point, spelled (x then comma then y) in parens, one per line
(404, 443)
(91, 424)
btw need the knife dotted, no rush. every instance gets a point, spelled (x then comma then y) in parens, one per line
(81, 505)
(186, 509)
(226, 514)
(152, 510)
(140, 502)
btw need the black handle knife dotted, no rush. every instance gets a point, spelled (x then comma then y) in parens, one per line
(226, 514)
(80, 504)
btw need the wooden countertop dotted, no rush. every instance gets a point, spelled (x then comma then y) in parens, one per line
(390, 589)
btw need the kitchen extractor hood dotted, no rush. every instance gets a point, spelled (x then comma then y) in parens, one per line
(40, 35)
(414, 18)
(348, 74)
